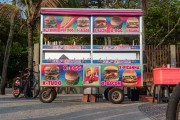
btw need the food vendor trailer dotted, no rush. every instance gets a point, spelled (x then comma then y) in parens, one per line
(90, 48)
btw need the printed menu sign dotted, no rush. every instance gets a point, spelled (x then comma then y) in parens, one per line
(82, 24)
(61, 75)
(91, 75)
(110, 75)
(130, 75)
(50, 75)
(67, 24)
(115, 24)
(71, 75)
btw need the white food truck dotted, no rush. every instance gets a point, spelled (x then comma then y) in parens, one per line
(90, 48)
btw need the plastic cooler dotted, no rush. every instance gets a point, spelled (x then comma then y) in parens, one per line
(166, 76)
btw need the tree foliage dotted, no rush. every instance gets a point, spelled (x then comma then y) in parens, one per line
(18, 51)
(161, 19)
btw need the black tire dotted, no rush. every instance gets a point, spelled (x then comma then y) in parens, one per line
(55, 93)
(36, 89)
(106, 93)
(16, 90)
(32, 89)
(115, 95)
(47, 99)
(173, 108)
(28, 91)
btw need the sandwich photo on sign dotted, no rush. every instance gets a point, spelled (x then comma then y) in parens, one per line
(71, 75)
(50, 22)
(132, 22)
(100, 22)
(83, 22)
(110, 75)
(129, 78)
(130, 75)
(51, 72)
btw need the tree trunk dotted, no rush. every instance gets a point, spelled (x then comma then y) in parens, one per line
(30, 44)
(6, 55)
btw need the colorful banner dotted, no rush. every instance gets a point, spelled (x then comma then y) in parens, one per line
(110, 75)
(130, 75)
(66, 24)
(50, 75)
(61, 75)
(65, 61)
(96, 47)
(66, 47)
(71, 75)
(82, 24)
(89, 61)
(116, 61)
(116, 47)
(91, 75)
(115, 24)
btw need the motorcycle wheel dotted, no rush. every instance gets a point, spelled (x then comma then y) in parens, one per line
(173, 108)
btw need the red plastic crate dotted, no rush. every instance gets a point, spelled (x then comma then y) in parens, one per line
(166, 76)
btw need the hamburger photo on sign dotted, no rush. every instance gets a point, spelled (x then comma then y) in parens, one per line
(50, 22)
(51, 72)
(129, 78)
(132, 22)
(71, 77)
(111, 73)
(100, 22)
(83, 22)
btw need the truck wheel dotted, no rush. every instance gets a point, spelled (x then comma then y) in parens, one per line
(173, 108)
(106, 93)
(115, 95)
(47, 95)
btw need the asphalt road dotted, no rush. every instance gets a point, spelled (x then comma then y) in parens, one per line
(71, 107)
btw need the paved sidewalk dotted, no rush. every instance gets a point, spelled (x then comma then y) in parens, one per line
(154, 111)
(70, 107)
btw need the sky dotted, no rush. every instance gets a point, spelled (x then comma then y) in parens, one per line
(8, 1)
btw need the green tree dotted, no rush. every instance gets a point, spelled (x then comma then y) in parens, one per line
(32, 10)
(162, 22)
(12, 15)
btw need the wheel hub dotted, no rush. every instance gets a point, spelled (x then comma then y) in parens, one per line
(116, 95)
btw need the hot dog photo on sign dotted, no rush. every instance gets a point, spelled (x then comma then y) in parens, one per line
(67, 21)
(75, 24)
